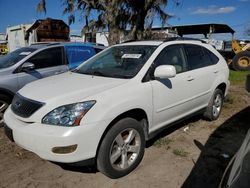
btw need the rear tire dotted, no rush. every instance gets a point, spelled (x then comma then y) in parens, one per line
(214, 107)
(5, 101)
(122, 148)
(241, 61)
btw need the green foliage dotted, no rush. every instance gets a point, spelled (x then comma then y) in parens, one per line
(162, 142)
(180, 152)
(238, 77)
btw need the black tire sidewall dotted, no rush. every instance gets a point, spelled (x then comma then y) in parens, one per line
(217, 92)
(103, 161)
(236, 58)
(209, 111)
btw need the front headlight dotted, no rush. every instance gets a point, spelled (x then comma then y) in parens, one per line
(68, 115)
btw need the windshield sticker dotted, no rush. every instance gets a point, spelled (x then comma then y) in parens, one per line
(134, 56)
(24, 53)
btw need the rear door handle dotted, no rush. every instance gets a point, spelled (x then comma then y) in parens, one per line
(58, 72)
(190, 78)
(216, 71)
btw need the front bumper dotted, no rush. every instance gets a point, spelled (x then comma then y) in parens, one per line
(40, 138)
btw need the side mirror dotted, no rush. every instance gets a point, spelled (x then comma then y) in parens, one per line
(165, 71)
(27, 66)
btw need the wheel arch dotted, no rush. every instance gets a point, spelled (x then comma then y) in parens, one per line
(222, 87)
(7, 92)
(137, 113)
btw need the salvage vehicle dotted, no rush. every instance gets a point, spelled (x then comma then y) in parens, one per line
(38, 61)
(105, 110)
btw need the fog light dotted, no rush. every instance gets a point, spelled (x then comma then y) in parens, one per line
(64, 149)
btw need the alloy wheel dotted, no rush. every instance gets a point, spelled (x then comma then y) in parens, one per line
(125, 149)
(217, 105)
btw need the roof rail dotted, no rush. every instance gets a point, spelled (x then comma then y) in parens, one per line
(44, 43)
(167, 39)
(182, 38)
(153, 39)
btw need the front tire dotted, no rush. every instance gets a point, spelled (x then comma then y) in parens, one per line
(122, 148)
(214, 107)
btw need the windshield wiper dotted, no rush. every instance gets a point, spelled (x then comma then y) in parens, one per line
(97, 73)
(121, 76)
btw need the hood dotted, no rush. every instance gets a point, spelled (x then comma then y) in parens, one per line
(6, 71)
(68, 87)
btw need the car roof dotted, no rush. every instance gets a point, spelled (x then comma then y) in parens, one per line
(143, 42)
(158, 42)
(40, 45)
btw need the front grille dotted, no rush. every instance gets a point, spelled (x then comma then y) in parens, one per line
(24, 107)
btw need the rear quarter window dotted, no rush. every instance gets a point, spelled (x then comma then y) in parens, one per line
(214, 59)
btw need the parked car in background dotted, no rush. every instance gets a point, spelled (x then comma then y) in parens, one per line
(37, 61)
(107, 108)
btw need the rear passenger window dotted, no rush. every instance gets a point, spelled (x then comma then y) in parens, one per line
(197, 56)
(47, 58)
(172, 55)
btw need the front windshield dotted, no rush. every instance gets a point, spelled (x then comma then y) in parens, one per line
(15, 56)
(118, 61)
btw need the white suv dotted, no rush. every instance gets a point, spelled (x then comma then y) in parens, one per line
(105, 110)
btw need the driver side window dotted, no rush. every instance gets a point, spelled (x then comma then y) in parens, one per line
(172, 55)
(47, 58)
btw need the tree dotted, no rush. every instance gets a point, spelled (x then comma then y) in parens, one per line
(143, 12)
(118, 16)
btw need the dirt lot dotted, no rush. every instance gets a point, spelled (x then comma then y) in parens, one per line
(176, 158)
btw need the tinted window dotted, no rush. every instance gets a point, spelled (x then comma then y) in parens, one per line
(13, 57)
(172, 55)
(47, 58)
(78, 54)
(197, 56)
(214, 59)
(97, 50)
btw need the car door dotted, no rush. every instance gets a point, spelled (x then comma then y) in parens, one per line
(172, 97)
(204, 72)
(47, 62)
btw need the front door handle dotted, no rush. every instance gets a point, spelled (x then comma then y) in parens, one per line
(58, 72)
(190, 78)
